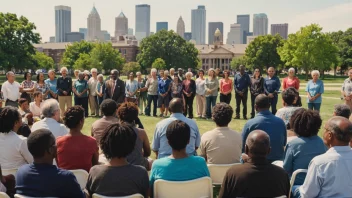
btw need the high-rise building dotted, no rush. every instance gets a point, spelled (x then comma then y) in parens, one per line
(121, 25)
(142, 21)
(106, 35)
(260, 24)
(62, 22)
(84, 31)
(180, 27)
(130, 31)
(162, 25)
(212, 27)
(243, 20)
(281, 29)
(250, 39)
(94, 26)
(199, 24)
(74, 37)
(235, 36)
(187, 36)
(52, 39)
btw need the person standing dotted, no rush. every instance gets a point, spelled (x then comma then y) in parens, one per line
(189, 91)
(64, 89)
(314, 89)
(100, 89)
(291, 80)
(257, 87)
(176, 88)
(92, 86)
(181, 77)
(131, 89)
(163, 93)
(271, 88)
(347, 89)
(200, 94)
(81, 92)
(115, 88)
(52, 84)
(142, 94)
(11, 90)
(242, 82)
(41, 86)
(28, 87)
(211, 91)
(152, 87)
(226, 88)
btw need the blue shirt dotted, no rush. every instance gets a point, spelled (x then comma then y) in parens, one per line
(80, 86)
(314, 89)
(271, 85)
(45, 180)
(299, 152)
(192, 167)
(160, 142)
(163, 85)
(52, 85)
(274, 127)
(242, 82)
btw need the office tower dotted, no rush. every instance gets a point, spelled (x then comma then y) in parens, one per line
(198, 24)
(260, 24)
(106, 35)
(74, 37)
(243, 20)
(180, 27)
(281, 29)
(235, 36)
(121, 25)
(142, 21)
(162, 25)
(187, 36)
(130, 31)
(94, 26)
(84, 31)
(52, 39)
(212, 27)
(62, 22)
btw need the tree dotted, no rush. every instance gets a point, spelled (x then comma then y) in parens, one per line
(169, 46)
(262, 52)
(236, 62)
(16, 38)
(159, 63)
(343, 42)
(72, 53)
(42, 61)
(84, 62)
(104, 56)
(131, 67)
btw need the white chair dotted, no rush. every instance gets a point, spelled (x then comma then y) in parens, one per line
(24, 196)
(130, 196)
(3, 195)
(293, 178)
(218, 171)
(81, 176)
(200, 188)
(12, 171)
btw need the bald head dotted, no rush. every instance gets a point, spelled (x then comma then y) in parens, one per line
(176, 105)
(258, 144)
(262, 102)
(341, 128)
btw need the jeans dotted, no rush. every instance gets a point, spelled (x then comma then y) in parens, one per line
(273, 103)
(314, 106)
(252, 104)
(151, 98)
(225, 98)
(188, 106)
(210, 103)
(82, 102)
(242, 99)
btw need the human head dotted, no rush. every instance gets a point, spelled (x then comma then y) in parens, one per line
(76, 72)
(291, 72)
(350, 73)
(315, 74)
(180, 71)
(201, 73)
(257, 72)
(100, 78)
(114, 74)
(338, 132)
(176, 105)
(38, 96)
(271, 71)
(262, 102)
(189, 70)
(81, 75)
(51, 109)
(257, 144)
(42, 145)
(128, 112)
(23, 103)
(289, 96)
(305, 122)
(166, 74)
(153, 72)
(172, 72)
(118, 140)
(74, 117)
(342, 110)
(40, 77)
(222, 114)
(139, 75)
(242, 69)
(211, 73)
(63, 71)
(189, 75)
(108, 107)
(10, 76)
(10, 120)
(27, 76)
(226, 73)
(131, 76)
(51, 74)
(161, 73)
(178, 134)
(94, 72)
(176, 80)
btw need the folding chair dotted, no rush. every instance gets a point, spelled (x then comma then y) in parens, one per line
(293, 178)
(3, 195)
(130, 196)
(81, 176)
(200, 188)
(218, 171)
(24, 196)
(12, 171)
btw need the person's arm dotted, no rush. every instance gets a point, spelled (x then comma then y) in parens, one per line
(58, 87)
(313, 182)
(278, 84)
(75, 90)
(235, 83)
(225, 187)
(4, 91)
(156, 143)
(265, 88)
(95, 158)
(245, 132)
(127, 88)
(284, 83)
(232, 87)
(221, 87)
(96, 89)
(122, 92)
(297, 84)
(146, 145)
(307, 90)
(106, 92)
(197, 143)
(288, 160)
(202, 149)
(216, 85)
(193, 88)
(72, 187)
(69, 85)
(85, 90)
(25, 152)
(261, 86)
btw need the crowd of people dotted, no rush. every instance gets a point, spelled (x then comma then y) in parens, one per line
(43, 139)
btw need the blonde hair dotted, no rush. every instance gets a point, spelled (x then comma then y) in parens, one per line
(63, 68)
(315, 72)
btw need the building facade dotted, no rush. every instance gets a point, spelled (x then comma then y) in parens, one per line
(250, 39)
(84, 31)
(142, 29)
(74, 37)
(260, 24)
(121, 25)
(130, 31)
(243, 20)
(106, 35)
(235, 36)
(212, 27)
(162, 25)
(62, 22)
(94, 26)
(187, 36)
(199, 25)
(180, 29)
(52, 39)
(281, 29)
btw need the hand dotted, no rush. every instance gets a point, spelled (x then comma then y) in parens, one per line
(348, 98)
(65, 92)
(312, 98)
(271, 95)
(245, 157)
(189, 95)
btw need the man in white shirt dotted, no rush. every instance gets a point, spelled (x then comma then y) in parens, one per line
(51, 112)
(329, 174)
(11, 90)
(92, 85)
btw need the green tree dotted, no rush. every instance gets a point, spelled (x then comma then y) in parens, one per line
(159, 63)
(42, 61)
(343, 41)
(169, 46)
(72, 53)
(104, 56)
(236, 62)
(16, 38)
(131, 67)
(262, 52)
(84, 62)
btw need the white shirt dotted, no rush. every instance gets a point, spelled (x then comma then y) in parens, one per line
(2, 188)
(92, 85)
(13, 151)
(11, 91)
(329, 174)
(52, 125)
(35, 109)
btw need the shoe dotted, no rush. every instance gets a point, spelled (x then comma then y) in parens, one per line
(252, 117)
(237, 117)
(147, 114)
(155, 116)
(161, 115)
(245, 117)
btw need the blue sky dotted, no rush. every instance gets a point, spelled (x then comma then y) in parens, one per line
(332, 15)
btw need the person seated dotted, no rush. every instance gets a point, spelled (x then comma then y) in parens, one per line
(35, 107)
(221, 145)
(128, 113)
(329, 174)
(51, 113)
(118, 177)
(300, 151)
(289, 97)
(42, 178)
(256, 177)
(342, 110)
(76, 150)
(7, 184)
(179, 166)
(24, 130)
(13, 148)
(26, 114)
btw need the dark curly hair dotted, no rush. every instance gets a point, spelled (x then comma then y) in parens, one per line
(36, 94)
(118, 140)
(222, 114)
(178, 134)
(289, 95)
(305, 123)
(73, 116)
(108, 107)
(127, 112)
(8, 118)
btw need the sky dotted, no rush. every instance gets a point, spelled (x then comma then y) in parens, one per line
(332, 15)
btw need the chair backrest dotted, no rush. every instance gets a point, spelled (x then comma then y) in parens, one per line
(3, 195)
(130, 196)
(218, 171)
(9, 171)
(24, 196)
(293, 178)
(81, 176)
(200, 188)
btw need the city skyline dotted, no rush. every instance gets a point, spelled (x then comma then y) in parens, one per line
(331, 15)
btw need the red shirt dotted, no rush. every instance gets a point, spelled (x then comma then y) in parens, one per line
(76, 152)
(291, 83)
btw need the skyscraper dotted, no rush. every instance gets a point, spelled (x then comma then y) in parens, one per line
(121, 25)
(142, 21)
(130, 31)
(260, 24)
(212, 27)
(84, 31)
(181, 27)
(198, 24)
(281, 29)
(162, 25)
(235, 35)
(94, 26)
(106, 35)
(243, 20)
(187, 36)
(74, 37)
(62, 22)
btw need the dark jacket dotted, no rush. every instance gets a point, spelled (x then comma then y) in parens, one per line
(257, 86)
(192, 87)
(64, 85)
(119, 93)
